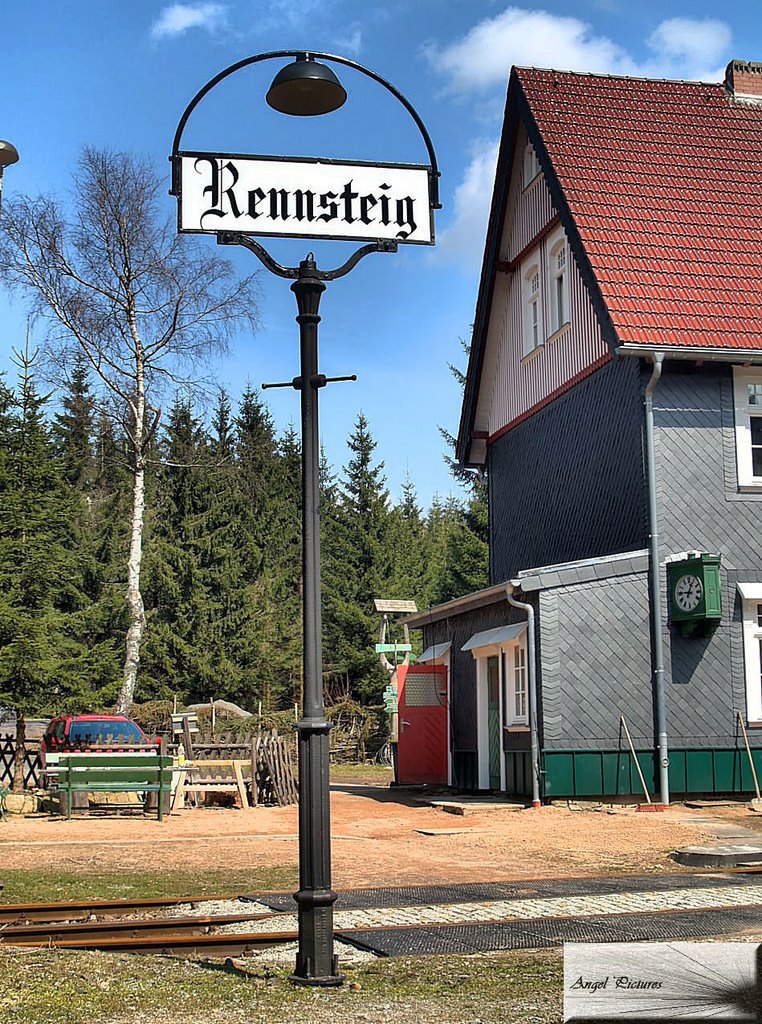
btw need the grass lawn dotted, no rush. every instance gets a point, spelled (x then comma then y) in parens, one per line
(53, 887)
(360, 774)
(48, 987)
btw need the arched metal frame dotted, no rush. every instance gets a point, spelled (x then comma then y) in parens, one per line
(238, 238)
(304, 54)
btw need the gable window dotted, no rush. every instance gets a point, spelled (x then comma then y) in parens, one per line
(531, 165)
(533, 331)
(747, 394)
(751, 604)
(558, 275)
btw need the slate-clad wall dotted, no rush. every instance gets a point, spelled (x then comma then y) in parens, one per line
(458, 630)
(700, 508)
(568, 483)
(596, 664)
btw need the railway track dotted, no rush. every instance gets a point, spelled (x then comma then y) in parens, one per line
(218, 927)
(119, 926)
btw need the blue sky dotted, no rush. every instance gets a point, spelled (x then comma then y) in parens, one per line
(119, 74)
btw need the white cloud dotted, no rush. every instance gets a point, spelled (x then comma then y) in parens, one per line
(178, 18)
(484, 56)
(680, 47)
(694, 48)
(463, 240)
(480, 62)
(351, 43)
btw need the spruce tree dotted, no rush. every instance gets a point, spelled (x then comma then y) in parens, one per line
(74, 427)
(40, 568)
(408, 545)
(359, 568)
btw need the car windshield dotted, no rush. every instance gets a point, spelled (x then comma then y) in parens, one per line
(105, 731)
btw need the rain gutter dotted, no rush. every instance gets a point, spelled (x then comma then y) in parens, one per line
(510, 588)
(657, 616)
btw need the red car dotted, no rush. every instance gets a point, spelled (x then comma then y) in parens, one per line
(90, 733)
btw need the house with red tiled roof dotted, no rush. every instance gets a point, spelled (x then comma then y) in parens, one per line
(614, 401)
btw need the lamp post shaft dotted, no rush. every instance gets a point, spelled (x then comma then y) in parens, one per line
(315, 961)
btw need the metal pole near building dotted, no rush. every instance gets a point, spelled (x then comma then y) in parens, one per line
(315, 962)
(205, 185)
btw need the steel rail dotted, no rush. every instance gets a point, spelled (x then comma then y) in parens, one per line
(214, 943)
(81, 909)
(55, 931)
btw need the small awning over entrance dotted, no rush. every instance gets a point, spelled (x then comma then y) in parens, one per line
(493, 637)
(434, 653)
(750, 591)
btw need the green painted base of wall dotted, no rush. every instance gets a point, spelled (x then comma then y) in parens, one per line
(586, 773)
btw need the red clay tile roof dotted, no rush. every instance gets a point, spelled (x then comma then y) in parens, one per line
(664, 181)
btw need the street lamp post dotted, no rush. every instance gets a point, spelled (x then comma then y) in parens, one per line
(8, 155)
(306, 87)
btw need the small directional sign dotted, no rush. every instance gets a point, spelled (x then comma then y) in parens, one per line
(391, 648)
(394, 606)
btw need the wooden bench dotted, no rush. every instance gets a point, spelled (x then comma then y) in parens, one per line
(115, 773)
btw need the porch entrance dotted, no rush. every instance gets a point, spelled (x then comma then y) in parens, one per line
(423, 725)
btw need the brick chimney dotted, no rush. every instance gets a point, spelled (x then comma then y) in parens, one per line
(743, 80)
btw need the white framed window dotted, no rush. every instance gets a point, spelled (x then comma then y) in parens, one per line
(747, 395)
(531, 164)
(534, 334)
(752, 650)
(519, 702)
(558, 276)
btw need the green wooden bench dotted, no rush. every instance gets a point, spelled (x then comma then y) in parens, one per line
(115, 773)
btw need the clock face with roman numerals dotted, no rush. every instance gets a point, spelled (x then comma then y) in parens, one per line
(688, 593)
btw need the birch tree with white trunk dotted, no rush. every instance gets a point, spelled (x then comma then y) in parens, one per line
(147, 307)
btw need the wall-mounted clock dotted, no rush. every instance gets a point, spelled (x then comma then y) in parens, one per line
(695, 597)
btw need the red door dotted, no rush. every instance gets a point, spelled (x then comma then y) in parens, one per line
(422, 748)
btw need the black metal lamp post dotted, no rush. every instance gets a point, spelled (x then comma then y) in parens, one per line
(308, 88)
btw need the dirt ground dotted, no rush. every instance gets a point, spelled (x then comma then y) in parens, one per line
(377, 840)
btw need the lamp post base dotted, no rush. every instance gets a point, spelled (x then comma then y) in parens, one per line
(316, 963)
(303, 975)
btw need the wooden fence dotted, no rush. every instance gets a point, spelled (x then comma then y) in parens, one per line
(268, 755)
(32, 770)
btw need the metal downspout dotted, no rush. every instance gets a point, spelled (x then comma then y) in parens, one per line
(656, 606)
(533, 735)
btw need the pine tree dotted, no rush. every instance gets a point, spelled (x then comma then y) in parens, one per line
(358, 566)
(74, 427)
(176, 656)
(40, 569)
(462, 526)
(409, 548)
(280, 585)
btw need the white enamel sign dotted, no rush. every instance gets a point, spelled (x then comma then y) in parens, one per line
(305, 198)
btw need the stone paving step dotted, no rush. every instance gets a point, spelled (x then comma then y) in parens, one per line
(727, 855)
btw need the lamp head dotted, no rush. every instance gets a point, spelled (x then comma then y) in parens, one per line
(306, 88)
(8, 154)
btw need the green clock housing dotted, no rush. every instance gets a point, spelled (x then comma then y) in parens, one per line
(695, 595)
